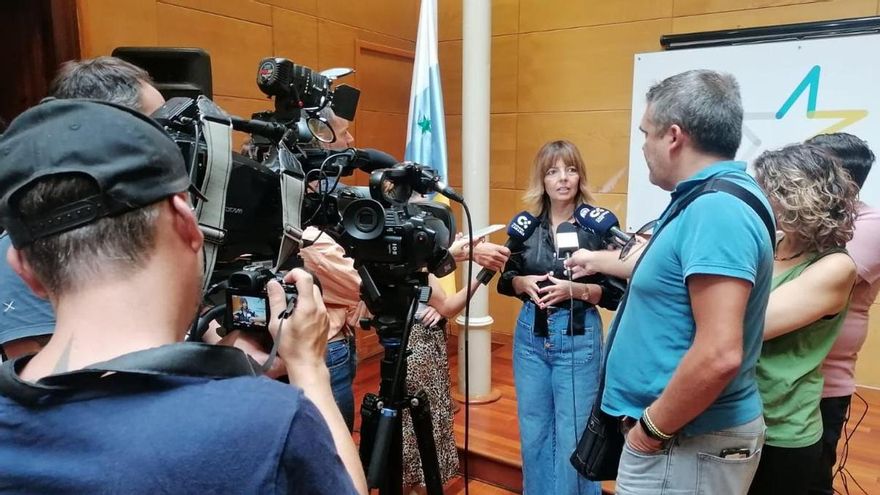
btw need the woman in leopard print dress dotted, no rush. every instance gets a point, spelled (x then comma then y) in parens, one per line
(428, 370)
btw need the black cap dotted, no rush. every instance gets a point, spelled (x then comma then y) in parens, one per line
(131, 158)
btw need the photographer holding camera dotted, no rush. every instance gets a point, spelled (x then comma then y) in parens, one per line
(101, 224)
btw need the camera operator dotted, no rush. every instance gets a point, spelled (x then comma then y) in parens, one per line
(28, 320)
(341, 291)
(121, 263)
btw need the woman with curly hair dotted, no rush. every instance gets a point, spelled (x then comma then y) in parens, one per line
(814, 201)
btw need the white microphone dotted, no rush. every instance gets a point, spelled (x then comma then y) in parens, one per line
(566, 240)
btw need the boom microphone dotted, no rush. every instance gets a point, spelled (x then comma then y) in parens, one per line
(520, 228)
(602, 223)
(369, 160)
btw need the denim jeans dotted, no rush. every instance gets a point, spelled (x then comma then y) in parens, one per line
(693, 465)
(556, 378)
(341, 360)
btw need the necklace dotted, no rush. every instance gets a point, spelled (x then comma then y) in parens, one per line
(777, 258)
(786, 258)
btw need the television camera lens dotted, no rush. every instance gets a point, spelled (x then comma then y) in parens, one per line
(364, 219)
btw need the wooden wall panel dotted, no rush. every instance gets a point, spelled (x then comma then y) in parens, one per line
(505, 17)
(295, 36)
(868, 365)
(614, 202)
(246, 10)
(696, 7)
(584, 68)
(385, 75)
(305, 6)
(449, 20)
(502, 171)
(107, 24)
(818, 11)
(544, 15)
(236, 47)
(602, 137)
(449, 56)
(336, 46)
(244, 108)
(382, 130)
(453, 150)
(398, 18)
(504, 74)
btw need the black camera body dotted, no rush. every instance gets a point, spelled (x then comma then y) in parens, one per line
(247, 302)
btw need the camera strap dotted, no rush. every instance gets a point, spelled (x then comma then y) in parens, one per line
(292, 193)
(188, 360)
(217, 129)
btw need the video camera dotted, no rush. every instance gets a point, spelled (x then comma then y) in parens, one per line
(287, 182)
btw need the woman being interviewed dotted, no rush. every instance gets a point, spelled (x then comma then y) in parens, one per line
(557, 348)
(814, 202)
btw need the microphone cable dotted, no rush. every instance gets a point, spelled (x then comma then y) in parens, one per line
(574, 415)
(467, 367)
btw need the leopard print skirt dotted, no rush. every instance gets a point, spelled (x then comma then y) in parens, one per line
(428, 369)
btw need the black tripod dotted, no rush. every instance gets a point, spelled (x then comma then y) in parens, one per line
(381, 447)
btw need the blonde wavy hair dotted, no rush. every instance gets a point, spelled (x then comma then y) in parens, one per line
(813, 197)
(535, 198)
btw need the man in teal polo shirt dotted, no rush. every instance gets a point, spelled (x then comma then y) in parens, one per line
(681, 370)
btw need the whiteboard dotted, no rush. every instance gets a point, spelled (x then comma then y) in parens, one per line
(791, 91)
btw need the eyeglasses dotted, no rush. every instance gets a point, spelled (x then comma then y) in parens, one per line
(637, 241)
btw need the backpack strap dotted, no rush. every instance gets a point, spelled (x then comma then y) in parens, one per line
(195, 360)
(734, 189)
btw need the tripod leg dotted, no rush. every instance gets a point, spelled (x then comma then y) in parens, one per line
(369, 423)
(420, 410)
(380, 448)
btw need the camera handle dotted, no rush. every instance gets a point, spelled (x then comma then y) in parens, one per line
(381, 446)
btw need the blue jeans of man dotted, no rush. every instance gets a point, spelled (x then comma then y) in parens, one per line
(341, 360)
(556, 378)
(695, 465)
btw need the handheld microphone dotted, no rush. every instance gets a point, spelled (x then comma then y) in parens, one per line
(566, 240)
(602, 223)
(520, 228)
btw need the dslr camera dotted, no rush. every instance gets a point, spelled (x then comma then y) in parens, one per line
(247, 302)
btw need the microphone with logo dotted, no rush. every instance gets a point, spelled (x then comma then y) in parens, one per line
(520, 228)
(602, 223)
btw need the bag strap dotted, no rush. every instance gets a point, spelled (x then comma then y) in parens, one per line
(715, 184)
(217, 128)
(194, 360)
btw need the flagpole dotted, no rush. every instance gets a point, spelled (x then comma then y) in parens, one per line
(476, 62)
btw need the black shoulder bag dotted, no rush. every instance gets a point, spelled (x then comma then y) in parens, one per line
(180, 360)
(598, 451)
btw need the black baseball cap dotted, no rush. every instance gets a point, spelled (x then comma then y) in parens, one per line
(131, 158)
